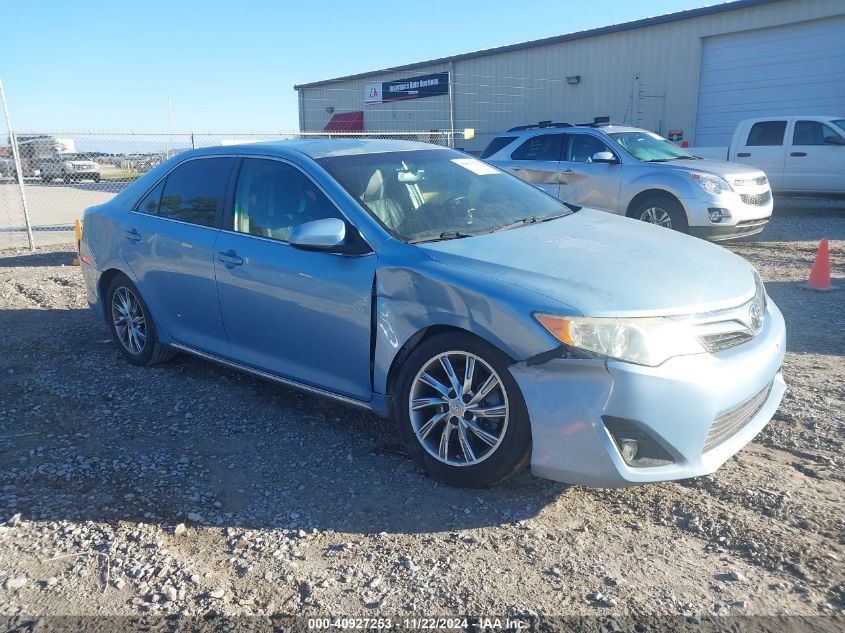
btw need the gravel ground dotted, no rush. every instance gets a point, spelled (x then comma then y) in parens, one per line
(188, 488)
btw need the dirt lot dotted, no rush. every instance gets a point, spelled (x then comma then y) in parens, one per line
(188, 488)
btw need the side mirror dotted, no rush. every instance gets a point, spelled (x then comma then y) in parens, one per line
(319, 235)
(834, 140)
(605, 157)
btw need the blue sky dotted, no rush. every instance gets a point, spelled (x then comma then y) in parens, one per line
(86, 65)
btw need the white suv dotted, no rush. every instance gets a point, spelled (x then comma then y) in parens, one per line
(639, 174)
(69, 167)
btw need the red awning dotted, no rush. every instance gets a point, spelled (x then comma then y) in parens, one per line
(346, 122)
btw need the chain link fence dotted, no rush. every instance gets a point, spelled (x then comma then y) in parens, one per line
(63, 173)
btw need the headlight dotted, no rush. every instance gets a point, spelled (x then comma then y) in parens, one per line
(710, 183)
(644, 341)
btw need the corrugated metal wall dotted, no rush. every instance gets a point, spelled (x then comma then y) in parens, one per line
(646, 77)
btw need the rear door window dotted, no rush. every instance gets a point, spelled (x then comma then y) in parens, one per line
(194, 191)
(541, 147)
(149, 203)
(766, 133)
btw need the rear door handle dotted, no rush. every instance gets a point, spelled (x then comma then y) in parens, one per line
(230, 258)
(743, 155)
(567, 171)
(132, 235)
(798, 154)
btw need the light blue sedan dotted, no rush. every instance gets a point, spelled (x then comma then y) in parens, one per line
(497, 325)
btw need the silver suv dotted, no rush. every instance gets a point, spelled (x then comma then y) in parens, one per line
(633, 172)
(68, 167)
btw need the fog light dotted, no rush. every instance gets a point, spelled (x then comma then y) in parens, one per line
(629, 449)
(637, 448)
(717, 215)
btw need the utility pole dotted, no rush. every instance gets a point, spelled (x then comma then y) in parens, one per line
(170, 120)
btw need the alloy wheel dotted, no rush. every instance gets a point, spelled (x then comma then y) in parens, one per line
(129, 322)
(458, 408)
(656, 215)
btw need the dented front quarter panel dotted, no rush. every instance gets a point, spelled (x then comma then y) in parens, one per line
(415, 292)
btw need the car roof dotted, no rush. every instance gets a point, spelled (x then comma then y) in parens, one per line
(790, 117)
(607, 129)
(320, 147)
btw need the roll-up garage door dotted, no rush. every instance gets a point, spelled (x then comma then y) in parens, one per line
(795, 69)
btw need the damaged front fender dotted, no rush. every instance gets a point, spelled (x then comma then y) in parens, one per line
(410, 300)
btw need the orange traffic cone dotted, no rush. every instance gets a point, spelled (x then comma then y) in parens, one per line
(820, 274)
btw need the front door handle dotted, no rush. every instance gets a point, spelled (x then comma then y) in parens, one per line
(798, 154)
(132, 235)
(743, 155)
(561, 176)
(230, 258)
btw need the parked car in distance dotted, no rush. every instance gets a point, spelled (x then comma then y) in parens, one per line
(497, 325)
(7, 166)
(68, 167)
(800, 154)
(638, 174)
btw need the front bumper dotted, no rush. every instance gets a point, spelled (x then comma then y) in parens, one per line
(676, 404)
(80, 174)
(745, 218)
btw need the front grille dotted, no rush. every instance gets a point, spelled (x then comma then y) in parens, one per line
(756, 199)
(748, 182)
(729, 424)
(717, 342)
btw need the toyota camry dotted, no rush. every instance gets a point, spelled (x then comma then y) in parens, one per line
(497, 325)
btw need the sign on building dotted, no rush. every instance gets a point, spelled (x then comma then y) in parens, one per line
(432, 85)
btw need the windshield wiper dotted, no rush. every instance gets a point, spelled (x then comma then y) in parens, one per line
(531, 219)
(445, 235)
(663, 160)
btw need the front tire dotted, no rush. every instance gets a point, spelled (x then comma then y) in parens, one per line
(96, 177)
(460, 413)
(662, 211)
(131, 325)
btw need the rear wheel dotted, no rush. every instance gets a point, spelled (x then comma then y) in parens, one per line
(663, 211)
(131, 325)
(460, 413)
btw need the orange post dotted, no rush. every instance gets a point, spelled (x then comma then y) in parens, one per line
(77, 229)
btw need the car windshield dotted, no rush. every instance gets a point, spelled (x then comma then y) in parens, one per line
(648, 147)
(840, 123)
(428, 195)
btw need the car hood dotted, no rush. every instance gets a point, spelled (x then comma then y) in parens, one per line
(605, 265)
(718, 167)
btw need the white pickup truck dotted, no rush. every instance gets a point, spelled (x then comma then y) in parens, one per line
(798, 153)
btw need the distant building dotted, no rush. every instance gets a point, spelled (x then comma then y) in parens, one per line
(692, 75)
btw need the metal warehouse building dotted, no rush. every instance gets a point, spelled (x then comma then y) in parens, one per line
(690, 75)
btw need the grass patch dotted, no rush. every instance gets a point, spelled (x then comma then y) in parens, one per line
(120, 176)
